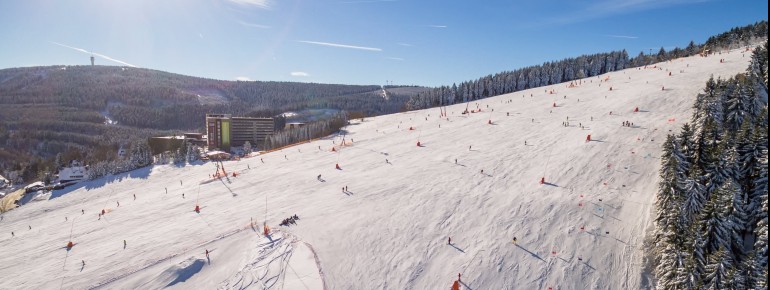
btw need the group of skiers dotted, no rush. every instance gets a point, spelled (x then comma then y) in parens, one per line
(292, 220)
(627, 124)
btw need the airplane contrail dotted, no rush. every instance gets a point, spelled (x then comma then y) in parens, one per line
(340, 45)
(94, 53)
(622, 36)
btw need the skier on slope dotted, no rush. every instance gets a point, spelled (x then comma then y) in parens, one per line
(449, 241)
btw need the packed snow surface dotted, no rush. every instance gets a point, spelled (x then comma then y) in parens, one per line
(583, 229)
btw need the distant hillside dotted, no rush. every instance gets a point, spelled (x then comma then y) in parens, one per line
(92, 110)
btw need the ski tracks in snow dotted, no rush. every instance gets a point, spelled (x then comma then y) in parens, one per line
(265, 270)
(158, 261)
(268, 269)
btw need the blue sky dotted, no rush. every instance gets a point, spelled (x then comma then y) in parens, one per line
(427, 42)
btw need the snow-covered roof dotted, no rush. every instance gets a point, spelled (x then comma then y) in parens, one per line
(35, 184)
(171, 137)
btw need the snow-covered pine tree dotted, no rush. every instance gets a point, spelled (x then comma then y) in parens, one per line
(672, 261)
(141, 155)
(190, 156)
(758, 70)
(669, 195)
(715, 223)
(739, 218)
(718, 270)
(698, 258)
(179, 156)
(759, 269)
(96, 170)
(58, 161)
(689, 177)
(758, 189)
(718, 166)
(687, 145)
(695, 196)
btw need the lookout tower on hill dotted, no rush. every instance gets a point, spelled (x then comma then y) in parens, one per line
(92, 60)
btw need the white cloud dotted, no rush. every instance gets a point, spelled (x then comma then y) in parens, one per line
(437, 26)
(258, 3)
(299, 74)
(396, 58)
(254, 25)
(243, 79)
(404, 44)
(94, 53)
(341, 45)
(622, 36)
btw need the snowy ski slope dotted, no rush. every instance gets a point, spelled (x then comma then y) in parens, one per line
(390, 230)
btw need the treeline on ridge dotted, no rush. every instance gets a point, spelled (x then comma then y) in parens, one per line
(571, 69)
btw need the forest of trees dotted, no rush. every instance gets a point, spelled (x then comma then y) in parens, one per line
(311, 130)
(711, 221)
(580, 67)
(45, 111)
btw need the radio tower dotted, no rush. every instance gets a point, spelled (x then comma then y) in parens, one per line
(92, 60)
